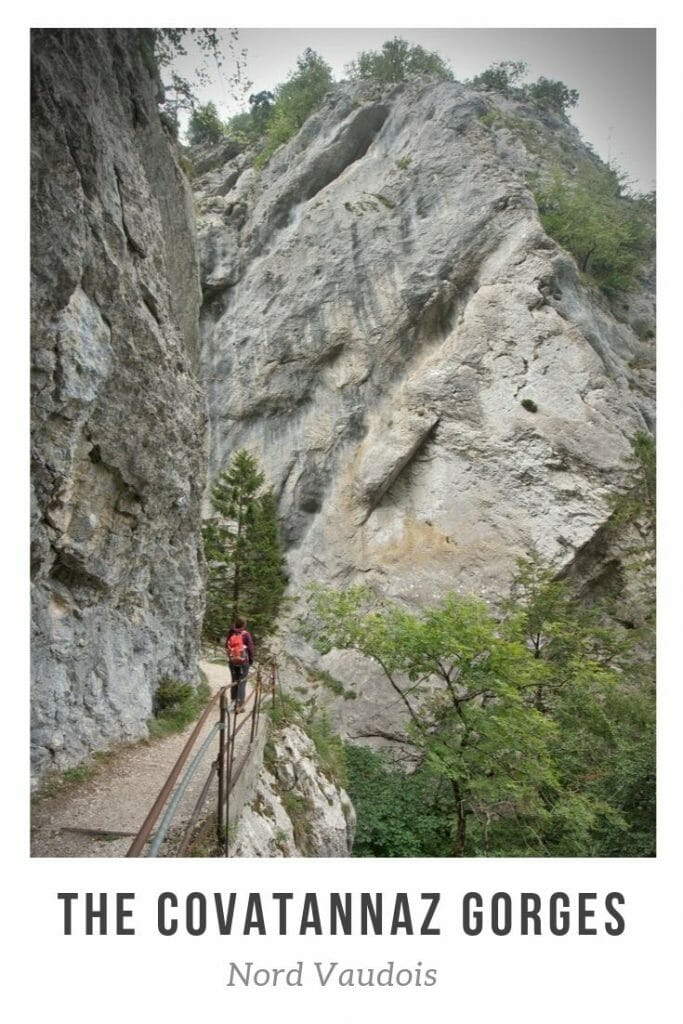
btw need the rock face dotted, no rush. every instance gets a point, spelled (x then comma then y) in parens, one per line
(432, 387)
(118, 423)
(296, 811)
(379, 302)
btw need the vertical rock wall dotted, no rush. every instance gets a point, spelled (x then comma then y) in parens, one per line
(430, 383)
(432, 386)
(118, 424)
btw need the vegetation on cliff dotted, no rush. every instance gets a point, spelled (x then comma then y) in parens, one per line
(530, 735)
(609, 230)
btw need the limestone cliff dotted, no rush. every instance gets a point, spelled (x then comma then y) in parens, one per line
(296, 810)
(118, 423)
(379, 302)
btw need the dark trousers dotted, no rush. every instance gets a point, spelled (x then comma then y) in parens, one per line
(238, 690)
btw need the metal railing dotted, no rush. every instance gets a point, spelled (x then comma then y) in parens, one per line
(224, 768)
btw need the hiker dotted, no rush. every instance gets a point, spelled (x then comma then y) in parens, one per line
(239, 646)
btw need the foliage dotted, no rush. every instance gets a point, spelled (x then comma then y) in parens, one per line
(489, 117)
(450, 668)
(328, 746)
(176, 704)
(529, 405)
(284, 710)
(170, 43)
(398, 61)
(217, 49)
(205, 125)
(295, 100)
(500, 76)
(597, 685)
(251, 125)
(640, 501)
(610, 234)
(529, 734)
(243, 552)
(328, 680)
(550, 94)
(299, 809)
(260, 108)
(397, 814)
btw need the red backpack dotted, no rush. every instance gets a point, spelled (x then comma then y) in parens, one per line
(237, 649)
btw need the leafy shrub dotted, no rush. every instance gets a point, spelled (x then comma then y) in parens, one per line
(176, 704)
(550, 94)
(299, 809)
(398, 815)
(490, 117)
(500, 76)
(295, 101)
(205, 125)
(529, 405)
(609, 233)
(284, 710)
(251, 125)
(329, 747)
(398, 61)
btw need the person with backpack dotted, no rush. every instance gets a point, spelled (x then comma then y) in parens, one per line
(239, 647)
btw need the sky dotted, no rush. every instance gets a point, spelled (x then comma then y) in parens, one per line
(613, 70)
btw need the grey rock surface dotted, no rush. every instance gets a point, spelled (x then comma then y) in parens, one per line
(323, 821)
(379, 301)
(118, 421)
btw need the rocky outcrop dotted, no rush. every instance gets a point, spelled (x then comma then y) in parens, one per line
(118, 424)
(297, 810)
(431, 385)
(381, 300)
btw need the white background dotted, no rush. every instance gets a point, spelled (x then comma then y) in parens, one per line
(632, 978)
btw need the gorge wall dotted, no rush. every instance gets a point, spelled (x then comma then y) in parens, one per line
(118, 421)
(379, 301)
(376, 305)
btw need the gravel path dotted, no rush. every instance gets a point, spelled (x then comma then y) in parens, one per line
(100, 817)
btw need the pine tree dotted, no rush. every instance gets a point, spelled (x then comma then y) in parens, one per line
(242, 549)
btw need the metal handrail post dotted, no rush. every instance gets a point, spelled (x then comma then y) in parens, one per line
(225, 723)
(230, 757)
(255, 707)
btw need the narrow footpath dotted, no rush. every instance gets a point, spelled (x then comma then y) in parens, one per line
(100, 816)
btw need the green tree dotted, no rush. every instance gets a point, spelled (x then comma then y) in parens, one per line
(596, 684)
(295, 100)
(218, 51)
(205, 125)
(242, 550)
(251, 125)
(500, 76)
(398, 61)
(550, 94)
(464, 691)
(610, 234)
(534, 731)
(260, 108)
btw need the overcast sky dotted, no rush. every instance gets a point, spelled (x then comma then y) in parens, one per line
(613, 70)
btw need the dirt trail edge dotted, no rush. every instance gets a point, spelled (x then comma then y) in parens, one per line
(100, 816)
